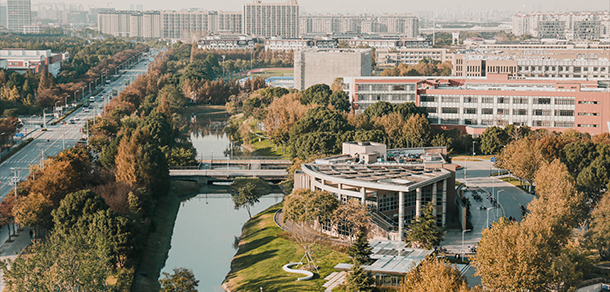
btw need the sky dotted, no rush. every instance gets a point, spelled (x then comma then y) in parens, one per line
(359, 6)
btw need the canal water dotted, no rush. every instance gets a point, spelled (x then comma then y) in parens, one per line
(206, 225)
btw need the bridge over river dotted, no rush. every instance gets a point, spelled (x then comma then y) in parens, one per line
(227, 170)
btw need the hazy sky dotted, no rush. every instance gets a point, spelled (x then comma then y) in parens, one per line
(358, 6)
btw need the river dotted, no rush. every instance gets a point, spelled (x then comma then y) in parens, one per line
(207, 224)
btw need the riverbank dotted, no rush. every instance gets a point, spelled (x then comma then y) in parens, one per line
(159, 239)
(263, 249)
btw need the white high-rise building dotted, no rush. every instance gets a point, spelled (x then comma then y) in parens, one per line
(130, 23)
(18, 13)
(271, 19)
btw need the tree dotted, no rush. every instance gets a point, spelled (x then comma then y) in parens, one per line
(282, 114)
(435, 274)
(493, 139)
(62, 262)
(304, 206)
(33, 211)
(394, 126)
(599, 229)
(578, 155)
(423, 232)
(340, 101)
(77, 209)
(522, 158)
(245, 192)
(360, 251)
(358, 279)
(352, 215)
(541, 253)
(417, 131)
(318, 94)
(182, 280)
(378, 109)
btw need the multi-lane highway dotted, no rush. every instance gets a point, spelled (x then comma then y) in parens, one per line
(60, 136)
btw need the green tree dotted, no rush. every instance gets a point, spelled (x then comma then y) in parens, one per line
(77, 209)
(493, 139)
(417, 131)
(182, 280)
(318, 94)
(423, 231)
(358, 279)
(246, 192)
(340, 101)
(599, 229)
(380, 108)
(360, 251)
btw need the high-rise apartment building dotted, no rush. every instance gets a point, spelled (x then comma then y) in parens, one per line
(130, 24)
(3, 15)
(316, 66)
(569, 25)
(271, 19)
(392, 24)
(18, 14)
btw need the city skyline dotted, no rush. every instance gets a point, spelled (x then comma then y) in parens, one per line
(361, 6)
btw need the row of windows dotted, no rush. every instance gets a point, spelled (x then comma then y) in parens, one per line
(501, 111)
(500, 122)
(500, 100)
(561, 68)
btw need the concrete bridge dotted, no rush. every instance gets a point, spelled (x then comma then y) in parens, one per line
(204, 176)
(246, 163)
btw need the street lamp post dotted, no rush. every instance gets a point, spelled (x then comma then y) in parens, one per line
(487, 226)
(223, 66)
(473, 149)
(498, 202)
(464, 231)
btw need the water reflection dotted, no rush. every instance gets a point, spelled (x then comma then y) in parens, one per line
(207, 135)
(204, 236)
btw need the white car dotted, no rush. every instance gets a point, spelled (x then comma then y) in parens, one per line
(77, 119)
(86, 109)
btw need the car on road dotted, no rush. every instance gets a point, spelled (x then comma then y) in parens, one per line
(72, 121)
(76, 118)
(86, 109)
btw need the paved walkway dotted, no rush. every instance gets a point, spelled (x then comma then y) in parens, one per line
(10, 249)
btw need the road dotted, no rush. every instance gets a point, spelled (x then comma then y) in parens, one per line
(59, 136)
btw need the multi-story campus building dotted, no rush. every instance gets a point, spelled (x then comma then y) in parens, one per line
(38, 61)
(18, 15)
(271, 19)
(316, 66)
(534, 61)
(394, 184)
(410, 56)
(226, 43)
(471, 104)
(569, 25)
(392, 24)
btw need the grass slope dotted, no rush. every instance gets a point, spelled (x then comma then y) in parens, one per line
(264, 249)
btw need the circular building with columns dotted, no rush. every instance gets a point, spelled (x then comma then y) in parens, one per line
(394, 184)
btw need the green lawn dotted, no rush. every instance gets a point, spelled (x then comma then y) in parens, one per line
(266, 148)
(264, 250)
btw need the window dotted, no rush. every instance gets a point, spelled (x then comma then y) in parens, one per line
(471, 100)
(470, 121)
(427, 98)
(450, 121)
(450, 99)
(564, 101)
(588, 125)
(488, 100)
(587, 102)
(564, 124)
(520, 112)
(520, 100)
(487, 111)
(431, 110)
(450, 110)
(564, 113)
(470, 111)
(542, 100)
(503, 99)
(398, 87)
(541, 123)
(503, 111)
(588, 114)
